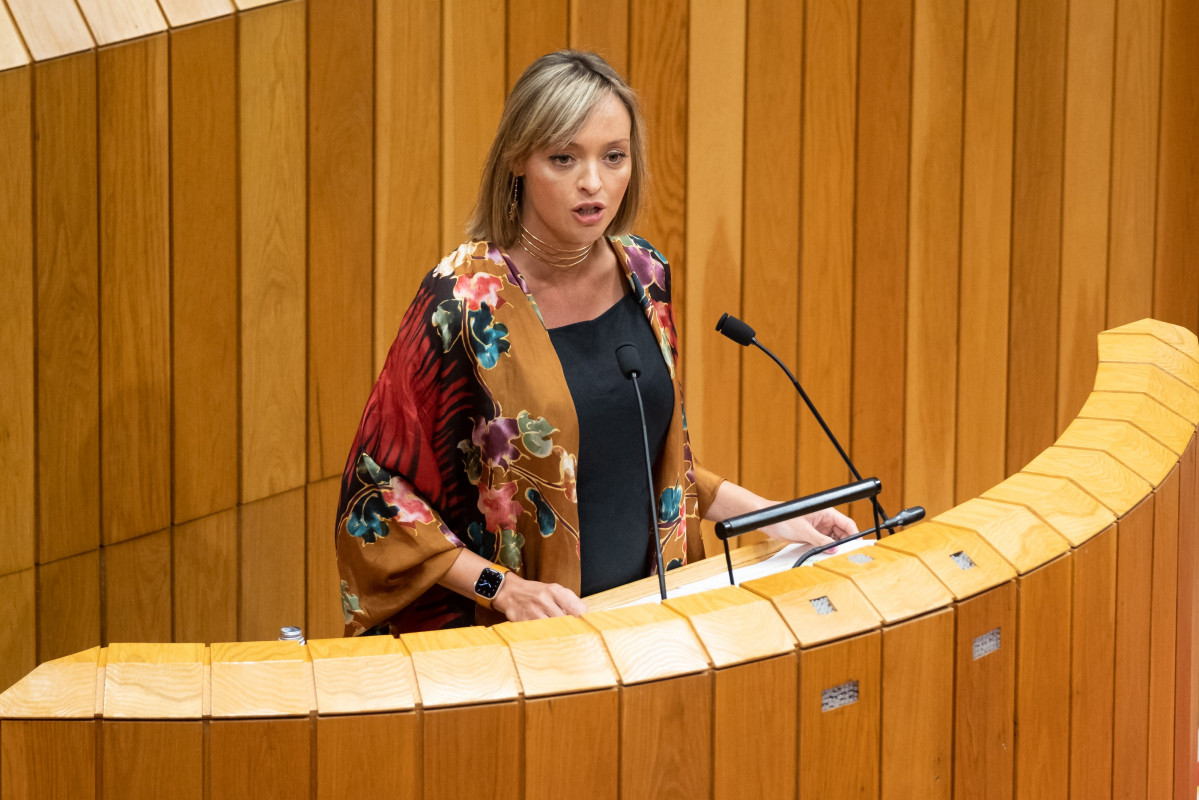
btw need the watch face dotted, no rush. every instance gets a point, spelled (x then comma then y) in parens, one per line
(488, 583)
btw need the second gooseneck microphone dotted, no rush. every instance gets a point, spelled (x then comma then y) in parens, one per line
(630, 365)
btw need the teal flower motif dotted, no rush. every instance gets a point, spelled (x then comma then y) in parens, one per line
(535, 434)
(489, 339)
(546, 521)
(480, 540)
(511, 544)
(669, 503)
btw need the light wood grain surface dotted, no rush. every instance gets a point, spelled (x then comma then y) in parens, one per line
(734, 625)
(51, 28)
(1148, 414)
(1142, 348)
(12, 54)
(1136, 449)
(1060, 502)
(936, 545)
(1101, 475)
(1153, 381)
(185, 12)
(462, 666)
(64, 688)
(373, 673)
(112, 21)
(154, 681)
(881, 577)
(799, 596)
(261, 679)
(1020, 536)
(558, 655)
(648, 642)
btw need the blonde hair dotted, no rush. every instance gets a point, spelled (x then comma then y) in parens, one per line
(547, 108)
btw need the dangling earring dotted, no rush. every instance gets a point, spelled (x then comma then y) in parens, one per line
(514, 203)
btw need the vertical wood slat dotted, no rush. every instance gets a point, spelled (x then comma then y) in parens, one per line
(1176, 281)
(602, 26)
(534, 28)
(1092, 665)
(1186, 672)
(770, 246)
(72, 587)
(68, 296)
(1134, 574)
(266, 759)
(658, 61)
(826, 260)
(880, 244)
(987, 137)
(748, 720)
(47, 758)
(933, 253)
(271, 77)
(838, 749)
(339, 767)
(18, 631)
(552, 720)
(340, 232)
(984, 704)
(135, 398)
(324, 614)
(1135, 111)
(408, 188)
(272, 574)
(204, 266)
(1162, 638)
(472, 86)
(137, 589)
(1036, 229)
(204, 588)
(17, 361)
(712, 239)
(1085, 194)
(495, 770)
(655, 717)
(153, 759)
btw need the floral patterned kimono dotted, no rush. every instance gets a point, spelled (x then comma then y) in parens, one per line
(469, 439)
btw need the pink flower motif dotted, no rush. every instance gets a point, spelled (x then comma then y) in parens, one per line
(411, 508)
(494, 440)
(478, 288)
(497, 505)
(645, 267)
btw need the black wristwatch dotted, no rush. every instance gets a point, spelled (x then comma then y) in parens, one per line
(488, 585)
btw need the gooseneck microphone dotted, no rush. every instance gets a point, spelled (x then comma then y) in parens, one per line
(630, 365)
(905, 517)
(744, 335)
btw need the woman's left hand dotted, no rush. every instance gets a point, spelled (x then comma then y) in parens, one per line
(817, 528)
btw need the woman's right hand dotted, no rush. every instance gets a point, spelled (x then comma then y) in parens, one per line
(520, 599)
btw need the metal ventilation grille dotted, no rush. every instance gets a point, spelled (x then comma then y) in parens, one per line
(962, 560)
(986, 644)
(823, 605)
(843, 695)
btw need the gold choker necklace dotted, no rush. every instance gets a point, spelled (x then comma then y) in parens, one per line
(547, 253)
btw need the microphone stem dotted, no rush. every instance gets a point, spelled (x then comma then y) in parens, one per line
(653, 509)
(878, 509)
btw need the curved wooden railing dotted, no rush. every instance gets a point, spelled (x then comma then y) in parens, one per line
(1037, 641)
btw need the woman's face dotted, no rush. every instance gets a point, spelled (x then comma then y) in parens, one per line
(571, 193)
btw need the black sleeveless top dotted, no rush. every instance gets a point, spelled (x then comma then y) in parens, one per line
(614, 501)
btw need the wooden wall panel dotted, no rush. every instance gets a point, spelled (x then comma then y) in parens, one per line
(340, 232)
(135, 325)
(47, 758)
(1082, 307)
(71, 587)
(987, 133)
(1162, 638)
(1036, 229)
(933, 252)
(591, 771)
(1175, 279)
(749, 720)
(602, 26)
(17, 361)
(826, 246)
(712, 241)
(271, 75)
(259, 759)
(534, 28)
(18, 628)
(324, 614)
(1130, 723)
(67, 313)
(1092, 665)
(657, 67)
(880, 242)
(204, 269)
(137, 590)
(655, 719)
(340, 770)
(272, 590)
(1135, 111)
(408, 139)
(495, 770)
(1186, 672)
(205, 579)
(472, 86)
(770, 248)
(153, 759)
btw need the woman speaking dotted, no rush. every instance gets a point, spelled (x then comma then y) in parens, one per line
(498, 471)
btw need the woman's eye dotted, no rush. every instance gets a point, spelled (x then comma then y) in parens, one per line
(616, 156)
(561, 159)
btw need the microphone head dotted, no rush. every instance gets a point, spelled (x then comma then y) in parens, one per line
(908, 516)
(736, 330)
(629, 359)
